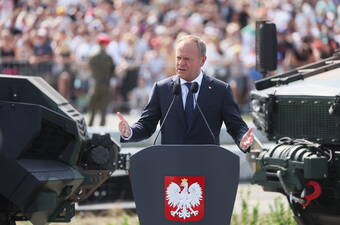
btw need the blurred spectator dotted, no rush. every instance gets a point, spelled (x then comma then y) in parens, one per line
(227, 10)
(113, 48)
(284, 47)
(64, 72)
(302, 54)
(24, 49)
(84, 48)
(102, 68)
(216, 63)
(154, 63)
(139, 96)
(239, 81)
(142, 32)
(7, 52)
(64, 85)
(321, 50)
(42, 56)
(244, 14)
(279, 14)
(169, 53)
(129, 66)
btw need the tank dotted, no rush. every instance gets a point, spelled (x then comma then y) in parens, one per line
(299, 110)
(48, 162)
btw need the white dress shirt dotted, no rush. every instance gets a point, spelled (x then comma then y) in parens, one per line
(185, 90)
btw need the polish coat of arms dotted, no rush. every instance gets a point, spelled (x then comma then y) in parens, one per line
(184, 198)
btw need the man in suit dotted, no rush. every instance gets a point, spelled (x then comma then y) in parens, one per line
(185, 124)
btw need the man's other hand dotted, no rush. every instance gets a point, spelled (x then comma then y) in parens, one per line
(247, 139)
(124, 127)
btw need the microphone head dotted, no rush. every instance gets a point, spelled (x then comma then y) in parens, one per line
(176, 88)
(194, 87)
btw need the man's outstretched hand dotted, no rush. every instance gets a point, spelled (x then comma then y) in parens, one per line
(247, 139)
(124, 127)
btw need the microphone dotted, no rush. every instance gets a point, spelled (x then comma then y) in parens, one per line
(194, 89)
(175, 91)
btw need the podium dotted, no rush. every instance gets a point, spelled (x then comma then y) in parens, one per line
(175, 184)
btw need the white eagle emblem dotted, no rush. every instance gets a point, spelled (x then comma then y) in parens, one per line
(185, 200)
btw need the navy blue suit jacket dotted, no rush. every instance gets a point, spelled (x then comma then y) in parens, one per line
(214, 98)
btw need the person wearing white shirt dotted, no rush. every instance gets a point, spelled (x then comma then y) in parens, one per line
(184, 124)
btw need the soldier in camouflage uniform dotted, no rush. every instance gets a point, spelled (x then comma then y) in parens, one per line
(102, 68)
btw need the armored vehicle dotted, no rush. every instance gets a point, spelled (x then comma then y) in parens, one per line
(300, 111)
(47, 159)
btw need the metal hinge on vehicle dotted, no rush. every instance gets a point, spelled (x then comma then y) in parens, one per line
(335, 107)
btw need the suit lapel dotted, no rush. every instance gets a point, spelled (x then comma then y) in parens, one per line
(178, 103)
(203, 96)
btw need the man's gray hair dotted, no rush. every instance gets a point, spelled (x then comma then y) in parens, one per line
(201, 46)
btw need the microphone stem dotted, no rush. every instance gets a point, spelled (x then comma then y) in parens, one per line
(205, 120)
(166, 115)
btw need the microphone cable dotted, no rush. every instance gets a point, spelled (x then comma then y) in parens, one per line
(194, 89)
(176, 92)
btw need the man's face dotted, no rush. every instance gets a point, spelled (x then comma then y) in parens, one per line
(188, 60)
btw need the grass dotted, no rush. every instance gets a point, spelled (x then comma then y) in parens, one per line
(279, 214)
(107, 217)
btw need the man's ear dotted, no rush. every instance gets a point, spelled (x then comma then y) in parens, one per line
(203, 60)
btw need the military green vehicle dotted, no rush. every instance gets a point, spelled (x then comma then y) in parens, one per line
(300, 111)
(48, 162)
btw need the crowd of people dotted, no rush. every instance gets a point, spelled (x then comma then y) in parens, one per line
(56, 39)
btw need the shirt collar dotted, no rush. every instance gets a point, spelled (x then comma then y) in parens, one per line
(198, 79)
